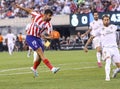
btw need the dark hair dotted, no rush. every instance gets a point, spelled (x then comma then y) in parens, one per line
(48, 11)
(94, 12)
(105, 16)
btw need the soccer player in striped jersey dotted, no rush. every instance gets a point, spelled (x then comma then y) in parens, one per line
(38, 30)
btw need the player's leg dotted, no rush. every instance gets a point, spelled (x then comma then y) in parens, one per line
(29, 52)
(35, 56)
(107, 58)
(99, 56)
(46, 61)
(36, 63)
(107, 68)
(10, 49)
(97, 46)
(116, 60)
(116, 71)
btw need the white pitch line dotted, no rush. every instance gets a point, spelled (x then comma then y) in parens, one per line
(24, 68)
(20, 73)
(6, 70)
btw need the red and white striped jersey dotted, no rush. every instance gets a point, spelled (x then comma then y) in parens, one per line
(39, 26)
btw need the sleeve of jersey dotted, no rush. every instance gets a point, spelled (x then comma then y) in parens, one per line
(90, 27)
(115, 28)
(49, 28)
(26, 28)
(34, 14)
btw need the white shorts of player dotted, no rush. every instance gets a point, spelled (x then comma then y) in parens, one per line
(112, 52)
(96, 42)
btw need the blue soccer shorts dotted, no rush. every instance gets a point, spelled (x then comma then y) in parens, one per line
(34, 42)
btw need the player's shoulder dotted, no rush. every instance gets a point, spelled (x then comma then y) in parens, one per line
(112, 26)
(92, 22)
(100, 21)
(48, 23)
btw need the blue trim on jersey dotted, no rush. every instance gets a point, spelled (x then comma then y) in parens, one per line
(34, 42)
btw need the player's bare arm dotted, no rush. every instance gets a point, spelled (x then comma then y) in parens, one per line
(86, 33)
(25, 9)
(87, 43)
(46, 37)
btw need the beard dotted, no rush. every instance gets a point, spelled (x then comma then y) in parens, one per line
(48, 20)
(106, 25)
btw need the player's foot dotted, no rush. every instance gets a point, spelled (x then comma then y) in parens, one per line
(107, 79)
(34, 71)
(55, 69)
(114, 74)
(99, 64)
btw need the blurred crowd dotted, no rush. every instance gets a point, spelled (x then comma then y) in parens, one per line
(7, 8)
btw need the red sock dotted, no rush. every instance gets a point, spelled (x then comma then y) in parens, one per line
(48, 64)
(36, 64)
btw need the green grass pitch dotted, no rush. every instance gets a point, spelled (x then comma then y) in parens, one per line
(78, 71)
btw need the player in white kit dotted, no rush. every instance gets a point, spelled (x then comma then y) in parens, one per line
(10, 39)
(110, 51)
(94, 25)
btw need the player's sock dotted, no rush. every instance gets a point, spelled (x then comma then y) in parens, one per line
(107, 67)
(117, 70)
(36, 64)
(98, 54)
(47, 63)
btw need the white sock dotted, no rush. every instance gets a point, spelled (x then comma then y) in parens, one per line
(98, 54)
(117, 70)
(107, 67)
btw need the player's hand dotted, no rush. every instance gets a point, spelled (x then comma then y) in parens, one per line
(85, 49)
(16, 5)
(42, 36)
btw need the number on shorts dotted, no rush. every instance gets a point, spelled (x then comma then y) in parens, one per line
(34, 44)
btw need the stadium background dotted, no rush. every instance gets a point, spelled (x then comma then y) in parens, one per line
(63, 19)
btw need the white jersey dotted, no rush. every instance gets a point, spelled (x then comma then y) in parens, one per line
(107, 36)
(94, 25)
(10, 38)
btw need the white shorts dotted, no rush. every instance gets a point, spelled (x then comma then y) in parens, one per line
(112, 52)
(96, 42)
